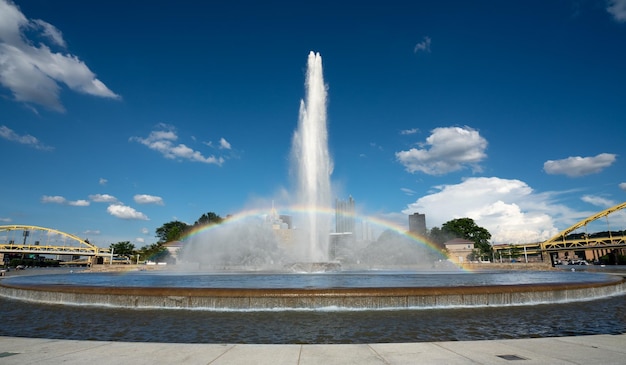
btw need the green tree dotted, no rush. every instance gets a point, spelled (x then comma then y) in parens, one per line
(171, 231)
(467, 229)
(124, 248)
(209, 218)
(154, 252)
(439, 236)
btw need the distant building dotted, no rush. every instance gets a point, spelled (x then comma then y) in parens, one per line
(417, 224)
(281, 225)
(458, 249)
(345, 233)
(344, 215)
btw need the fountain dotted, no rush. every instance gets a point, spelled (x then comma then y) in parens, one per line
(312, 161)
(251, 271)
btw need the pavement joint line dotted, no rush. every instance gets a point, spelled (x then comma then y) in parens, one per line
(300, 354)
(378, 355)
(97, 344)
(440, 345)
(222, 354)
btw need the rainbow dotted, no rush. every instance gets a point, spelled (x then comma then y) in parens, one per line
(293, 210)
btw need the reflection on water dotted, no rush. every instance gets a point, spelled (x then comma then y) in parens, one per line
(605, 316)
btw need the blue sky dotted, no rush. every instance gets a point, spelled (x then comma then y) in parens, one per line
(117, 117)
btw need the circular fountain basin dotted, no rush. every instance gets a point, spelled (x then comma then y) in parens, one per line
(366, 290)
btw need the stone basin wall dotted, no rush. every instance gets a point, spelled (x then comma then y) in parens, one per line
(307, 299)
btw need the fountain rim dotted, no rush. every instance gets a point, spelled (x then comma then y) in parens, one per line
(311, 298)
(310, 292)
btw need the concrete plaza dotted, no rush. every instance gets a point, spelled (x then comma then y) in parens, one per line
(597, 349)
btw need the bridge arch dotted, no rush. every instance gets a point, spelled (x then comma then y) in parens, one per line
(42, 240)
(561, 235)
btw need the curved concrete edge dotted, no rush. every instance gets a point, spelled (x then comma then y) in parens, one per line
(597, 349)
(300, 299)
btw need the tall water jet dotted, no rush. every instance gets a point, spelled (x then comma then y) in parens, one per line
(312, 163)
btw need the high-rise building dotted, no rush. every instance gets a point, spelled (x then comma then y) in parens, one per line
(417, 223)
(344, 216)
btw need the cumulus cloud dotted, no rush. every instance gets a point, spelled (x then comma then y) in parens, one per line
(32, 71)
(622, 186)
(79, 203)
(164, 140)
(224, 144)
(148, 199)
(56, 199)
(103, 198)
(103, 181)
(423, 46)
(125, 212)
(26, 139)
(508, 209)
(579, 166)
(617, 8)
(451, 149)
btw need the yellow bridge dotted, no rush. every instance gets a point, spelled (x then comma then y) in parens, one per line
(25, 239)
(599, 243)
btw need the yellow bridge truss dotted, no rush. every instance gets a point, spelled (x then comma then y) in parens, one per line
(561, 241)
(25, 239)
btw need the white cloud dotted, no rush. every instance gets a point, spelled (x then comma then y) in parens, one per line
(451, 149)
(409, 131)
(423, 46)
(508, 209)
(5, 220)
(27, 139)
(125, 212)
(50, 32)
(224, 144)
(622, 186)
(78, 203)
(103, 181)
(102, 198)
(579, 166)
(53, 199)
(598, 201)
(56, 199)
(162, 141)
(90, 232)
(140, 240)
(145, 231)
(617, 8)
(148, 199)
(32, 71)
(407, 191)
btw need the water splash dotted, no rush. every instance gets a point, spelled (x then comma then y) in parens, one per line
(312, 162)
